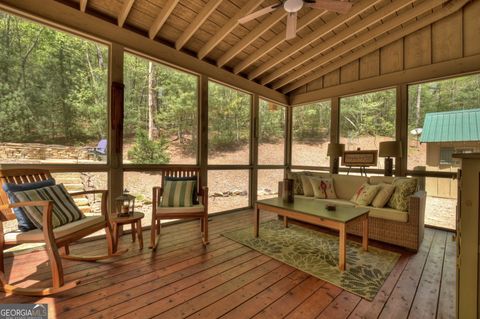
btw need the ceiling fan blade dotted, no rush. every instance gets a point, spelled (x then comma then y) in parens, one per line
(331, 5)
(259, 13)
(291, 25)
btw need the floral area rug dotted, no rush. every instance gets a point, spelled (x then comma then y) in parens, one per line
(316, 253)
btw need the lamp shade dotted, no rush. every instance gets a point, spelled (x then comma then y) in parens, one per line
(390, 149)
(335, 149)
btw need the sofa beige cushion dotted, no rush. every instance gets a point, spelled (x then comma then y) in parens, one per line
(346, 185)
(387, 213)
(323, 187)
(365, 194)
(383, 195)
(307, 186)
(318, 174)
(36, 235)
(404, 187)
(381, 179)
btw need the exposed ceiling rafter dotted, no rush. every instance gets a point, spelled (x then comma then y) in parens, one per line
(227, 28)
(161, 18)
(126, 7)
(309, 18)
(252, 36)
(83, 5)
(349, 32)
(197, 23)
(357, 9)
(386, 39)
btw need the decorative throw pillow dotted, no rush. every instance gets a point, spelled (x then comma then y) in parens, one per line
(190, 178)
(177, 193)
(24, 223)
(365, 194)
(383, 195)
(297, 182)
(64, 208)
(323, 188)
(404, 187)
(307, 186)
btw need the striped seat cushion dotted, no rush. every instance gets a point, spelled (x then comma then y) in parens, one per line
(64, 209)
(178, 193)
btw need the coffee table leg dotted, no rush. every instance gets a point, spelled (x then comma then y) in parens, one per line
(257, 221)
(139, 233)
(365, 233)
(342, 249)
(285, 221)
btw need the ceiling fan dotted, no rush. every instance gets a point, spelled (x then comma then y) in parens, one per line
(293, 6)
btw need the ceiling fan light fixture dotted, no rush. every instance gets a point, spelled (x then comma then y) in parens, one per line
(293, 5)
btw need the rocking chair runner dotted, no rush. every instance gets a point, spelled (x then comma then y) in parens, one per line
(54, 238)
(196, 211)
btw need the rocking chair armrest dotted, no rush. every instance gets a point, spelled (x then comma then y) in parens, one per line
(43, 203)
(47, 224)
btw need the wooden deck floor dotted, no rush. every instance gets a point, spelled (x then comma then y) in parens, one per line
(228, 280)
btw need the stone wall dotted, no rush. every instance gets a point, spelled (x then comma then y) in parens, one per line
(37, 151)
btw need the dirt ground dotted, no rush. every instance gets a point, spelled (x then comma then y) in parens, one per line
(235, 183)
(439, 211)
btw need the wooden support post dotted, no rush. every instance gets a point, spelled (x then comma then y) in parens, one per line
(334, 124)
(288, 139)
(203, 129)
(115, 127)
(401, 130)
(254, 132)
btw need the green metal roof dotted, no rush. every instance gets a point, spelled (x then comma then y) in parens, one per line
(454, 126)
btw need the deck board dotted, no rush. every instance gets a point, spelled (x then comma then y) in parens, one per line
(228, 280)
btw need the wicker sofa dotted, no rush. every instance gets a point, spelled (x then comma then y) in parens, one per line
(386, 224)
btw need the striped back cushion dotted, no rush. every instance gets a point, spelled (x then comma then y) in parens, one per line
(178, 193)
(64, 209)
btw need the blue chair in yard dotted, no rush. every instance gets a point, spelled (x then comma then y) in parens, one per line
(100, 152)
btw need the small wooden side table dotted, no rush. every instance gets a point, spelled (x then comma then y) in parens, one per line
(135, 222)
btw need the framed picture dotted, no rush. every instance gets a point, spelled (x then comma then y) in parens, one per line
(360, 158)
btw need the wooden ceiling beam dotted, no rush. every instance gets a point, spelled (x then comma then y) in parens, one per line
(337, 39)
(161, 18)
(197, 23)
(227, 28)
(386, 39)
(83, 5)
(358, 8)
(257, 32)
(388, 25)
(310, 17)
(127, 6)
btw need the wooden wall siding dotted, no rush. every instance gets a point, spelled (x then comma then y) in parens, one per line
(450, 39)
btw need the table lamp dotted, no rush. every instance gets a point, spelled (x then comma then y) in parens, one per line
(388, 150)
(335, 150)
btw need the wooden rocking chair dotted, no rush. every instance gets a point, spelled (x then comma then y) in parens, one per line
(54, 238)
(196, 211)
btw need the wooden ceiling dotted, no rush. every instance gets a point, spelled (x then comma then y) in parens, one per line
(257, 50)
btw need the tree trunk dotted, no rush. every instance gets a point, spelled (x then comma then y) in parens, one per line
(418, 106)
(152, 102)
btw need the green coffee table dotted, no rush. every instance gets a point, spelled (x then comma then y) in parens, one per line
(314, 212)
